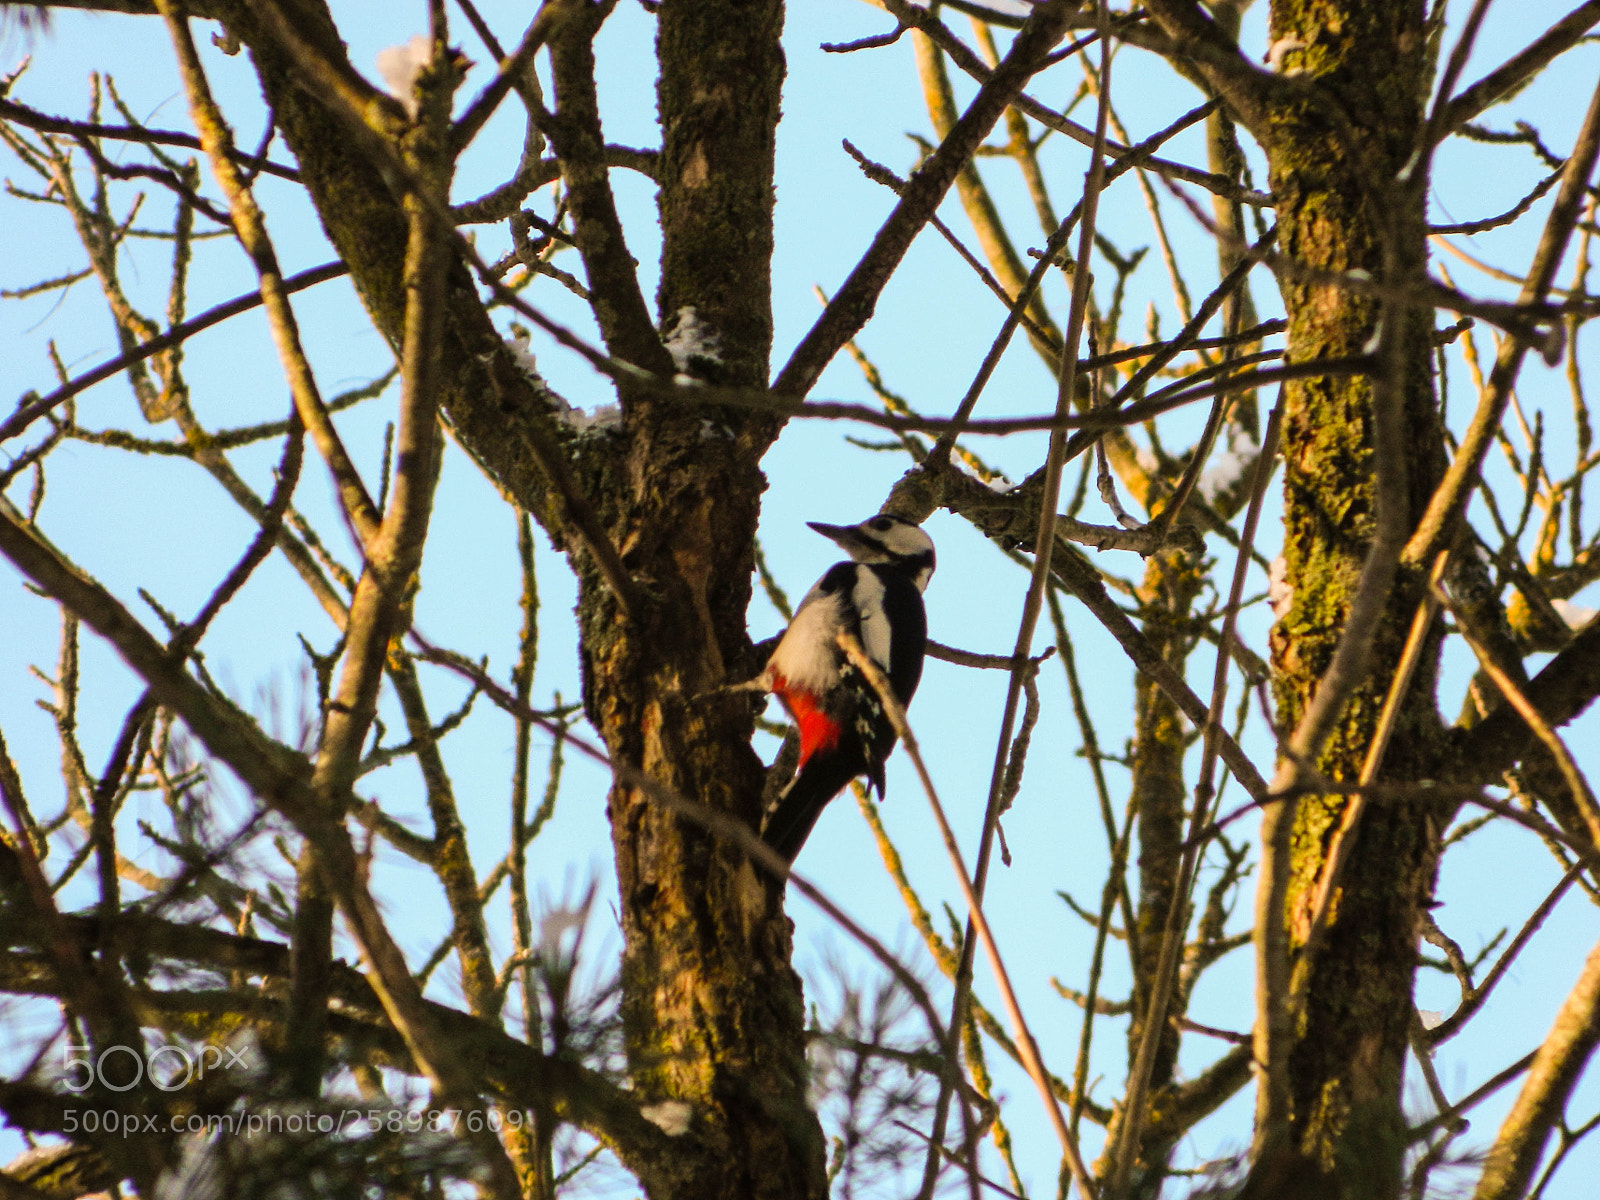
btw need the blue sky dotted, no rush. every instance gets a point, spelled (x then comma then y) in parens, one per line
(166, 526)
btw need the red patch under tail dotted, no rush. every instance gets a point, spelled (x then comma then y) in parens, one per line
(817, 730)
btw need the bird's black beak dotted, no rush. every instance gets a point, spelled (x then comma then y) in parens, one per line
(847, 536)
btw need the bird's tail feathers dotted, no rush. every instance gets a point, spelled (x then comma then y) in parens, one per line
(794, 813)
(875, 778)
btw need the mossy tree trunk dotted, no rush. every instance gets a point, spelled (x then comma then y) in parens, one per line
(1342, 126)
(658, 517)
(1172, 582)
(712, 1010)
(1347, 206)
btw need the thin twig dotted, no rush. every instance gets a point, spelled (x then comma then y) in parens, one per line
(1437, 525)
(1162, 986)
(854, 301)
(1044, 547)
(30, 118)
(1475, 997)
(850, 644)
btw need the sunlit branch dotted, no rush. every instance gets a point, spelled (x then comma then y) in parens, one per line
(252, 232)
(1557, 1064)
(393, 546)
(330, 79)
(853, 304)
(981, 211)
(1444, 509)
(923, 20)
(851, 645)
(1045, 542)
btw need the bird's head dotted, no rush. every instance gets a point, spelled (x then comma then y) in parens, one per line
(885, 539)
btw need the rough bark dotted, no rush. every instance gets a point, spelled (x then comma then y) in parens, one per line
(1172, 581)
(712, 1011)
(1336, 150)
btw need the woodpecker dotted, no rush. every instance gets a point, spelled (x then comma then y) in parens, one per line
(843, 729)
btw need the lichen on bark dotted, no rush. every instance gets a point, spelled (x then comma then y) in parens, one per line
(1346, 207)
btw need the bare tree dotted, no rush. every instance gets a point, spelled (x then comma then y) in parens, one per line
(1402, 542)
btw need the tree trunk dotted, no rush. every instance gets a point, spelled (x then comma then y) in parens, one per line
(1345, 205)
(713, 1013)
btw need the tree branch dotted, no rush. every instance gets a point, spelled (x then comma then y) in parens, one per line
(1512, 74)
(518, 1071)
(1010, 519)
(1557, 1064)
(923, 20)
(30, 118)
(1445, 508)
(1247, 89)
(850, 644)
(852, 306)
(574, 131)
(1565, 687)
(32, 410)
